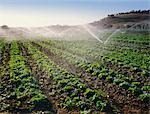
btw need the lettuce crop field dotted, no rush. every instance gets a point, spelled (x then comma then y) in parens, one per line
(75, 77)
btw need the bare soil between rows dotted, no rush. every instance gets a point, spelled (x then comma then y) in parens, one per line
(118, 97)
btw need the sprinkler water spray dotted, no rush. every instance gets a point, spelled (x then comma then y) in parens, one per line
(111, 35)
(96, 37)
(91, 33)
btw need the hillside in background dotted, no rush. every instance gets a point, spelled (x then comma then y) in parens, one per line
(123, 20)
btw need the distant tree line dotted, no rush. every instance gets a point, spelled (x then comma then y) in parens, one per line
(4, 27)
(131, 12)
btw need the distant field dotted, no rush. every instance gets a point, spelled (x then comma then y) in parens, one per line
(72, 77)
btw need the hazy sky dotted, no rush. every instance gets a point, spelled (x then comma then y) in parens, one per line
(50, 12)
